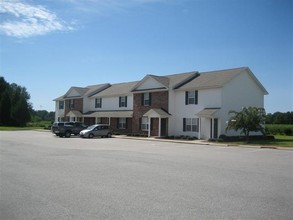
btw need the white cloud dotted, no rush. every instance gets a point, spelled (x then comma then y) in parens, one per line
(24, 20)
(104, 6)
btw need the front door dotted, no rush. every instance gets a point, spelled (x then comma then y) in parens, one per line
(164, 127)
(214, 128)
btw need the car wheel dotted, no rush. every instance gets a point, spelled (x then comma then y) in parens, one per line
(91, 135)
(109, 135)
(67, 134)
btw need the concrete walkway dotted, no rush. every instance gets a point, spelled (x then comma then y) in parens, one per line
(199, 142)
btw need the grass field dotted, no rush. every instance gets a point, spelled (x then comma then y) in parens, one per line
(280, 141)
(6, 128)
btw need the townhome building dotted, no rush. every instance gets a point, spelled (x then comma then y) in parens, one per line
(190, 104)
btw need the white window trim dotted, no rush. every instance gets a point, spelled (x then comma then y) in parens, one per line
(191, 124)
(144, 124)
(146, 99)
(98, 103)
(191, 97)
(122, 123)
(123, 101)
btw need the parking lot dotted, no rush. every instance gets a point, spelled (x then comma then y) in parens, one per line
(46, 177)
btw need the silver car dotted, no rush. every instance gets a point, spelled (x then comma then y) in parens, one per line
(102, 130)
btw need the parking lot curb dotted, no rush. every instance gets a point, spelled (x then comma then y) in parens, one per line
(200, 142)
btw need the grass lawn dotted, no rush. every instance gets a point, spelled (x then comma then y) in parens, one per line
(7, 128)
(280, 141)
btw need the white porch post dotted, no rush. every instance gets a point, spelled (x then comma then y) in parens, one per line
(212, 127)
(199, 127)
(109, 121)
(159, 126)
(149, 128)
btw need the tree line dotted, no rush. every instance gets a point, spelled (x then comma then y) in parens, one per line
(15, 108)
(280, 118)
(14, 104)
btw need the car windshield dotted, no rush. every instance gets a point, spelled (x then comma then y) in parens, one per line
(91, 127)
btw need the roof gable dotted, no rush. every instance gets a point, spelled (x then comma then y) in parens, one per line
(151, 82)
(214, 79)
(75, 92)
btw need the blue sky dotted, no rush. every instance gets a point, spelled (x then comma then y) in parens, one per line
(50, 45)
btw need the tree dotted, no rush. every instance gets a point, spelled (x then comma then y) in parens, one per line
(20, 112)
(5, 108)
(251, 119)
(14, 104)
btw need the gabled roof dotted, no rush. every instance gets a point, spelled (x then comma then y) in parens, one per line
(79, 90)
(214, 79)
(163, 83)
(166, 82)
(83, 91)
(94, 89)
(217, 79)
(116, 89)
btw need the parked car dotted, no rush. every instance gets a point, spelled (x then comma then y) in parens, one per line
(62, 129)
(102, 130)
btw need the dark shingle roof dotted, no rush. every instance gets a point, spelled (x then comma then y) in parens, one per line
(118, 89)
(213, 79)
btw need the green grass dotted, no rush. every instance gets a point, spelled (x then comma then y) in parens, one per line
(6, 128)
(280, 141)
(30, 126)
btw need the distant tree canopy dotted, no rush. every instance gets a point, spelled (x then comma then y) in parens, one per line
(42, 115)
(15, 107)
(280, 118)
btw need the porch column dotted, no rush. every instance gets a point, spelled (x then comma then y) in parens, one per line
(159, 126)
(109, 121)
(149, 128)
(212, 127)
(199, 127)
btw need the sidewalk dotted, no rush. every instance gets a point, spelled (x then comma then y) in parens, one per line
(199, 142)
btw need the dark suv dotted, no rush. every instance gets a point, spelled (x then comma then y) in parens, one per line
(62, 129)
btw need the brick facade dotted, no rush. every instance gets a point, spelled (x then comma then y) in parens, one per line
(159, 100)
(78, 106)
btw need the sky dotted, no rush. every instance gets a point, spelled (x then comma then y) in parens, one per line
(48, 46)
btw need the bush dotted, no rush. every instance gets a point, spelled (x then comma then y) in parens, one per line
(280, 129)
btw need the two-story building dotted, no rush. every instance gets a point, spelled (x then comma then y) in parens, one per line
(192, 104)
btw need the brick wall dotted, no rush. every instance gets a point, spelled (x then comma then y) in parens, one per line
(159, 100)
(78, 106)
(114, 126)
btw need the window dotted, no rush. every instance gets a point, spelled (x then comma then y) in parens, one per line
(123, 101)
(122, 123)
(71, 103)
(61, 104)
(191, 97)
(146, 99)
(98, 120)
(98, 103)
(144, 124)
(190, 124)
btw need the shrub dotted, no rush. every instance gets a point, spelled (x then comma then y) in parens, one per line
(280, 129)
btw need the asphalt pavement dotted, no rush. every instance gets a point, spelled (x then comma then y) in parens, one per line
(46, 177)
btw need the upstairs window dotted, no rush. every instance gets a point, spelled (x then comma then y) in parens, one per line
(123, 101)
(191, 97)
(71, 103)
(61, 104)
(146, 99)
(98, 103)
